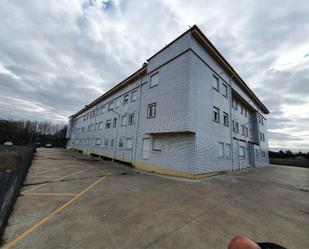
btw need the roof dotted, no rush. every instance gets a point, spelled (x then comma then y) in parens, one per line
(204, 41)
(140, 72)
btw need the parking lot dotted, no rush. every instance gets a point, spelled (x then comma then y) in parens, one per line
(75, 201)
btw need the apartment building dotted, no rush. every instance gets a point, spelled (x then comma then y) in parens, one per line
(186, 112)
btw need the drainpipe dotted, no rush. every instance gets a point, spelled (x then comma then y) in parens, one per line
(231, 119)
(137, 121)
(117, 132)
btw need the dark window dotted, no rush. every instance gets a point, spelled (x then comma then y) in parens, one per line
(225, 90)
(151, 110)
(114, 122)
(225, 119)
(216, 114)
(131, 119)
(108, 124)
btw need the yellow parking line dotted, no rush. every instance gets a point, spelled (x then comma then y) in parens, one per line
(56, 179)
(37, 193)
(48, 217)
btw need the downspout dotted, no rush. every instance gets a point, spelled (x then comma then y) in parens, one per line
(137, 121)
(231, 120)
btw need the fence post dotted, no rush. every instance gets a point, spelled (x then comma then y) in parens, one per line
(7, 176)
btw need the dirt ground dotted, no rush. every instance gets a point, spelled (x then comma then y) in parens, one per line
(74, 201)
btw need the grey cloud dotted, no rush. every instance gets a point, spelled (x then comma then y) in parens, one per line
(62, 55)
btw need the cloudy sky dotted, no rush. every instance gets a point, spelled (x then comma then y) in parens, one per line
(57, 56)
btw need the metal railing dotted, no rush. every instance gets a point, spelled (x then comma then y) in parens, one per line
(10, 184)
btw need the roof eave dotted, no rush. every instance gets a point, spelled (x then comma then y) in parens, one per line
(203, 40)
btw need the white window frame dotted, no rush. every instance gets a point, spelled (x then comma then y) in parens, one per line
(120, 142)
(216, 83)
(242, 151)
(220, 150)
(114, 122)
(111, 106)
(105, 142)
(100, 125)
(124, 120)
(217, 111)
(151, 113)
(129, 119)
(154, 80)
(228, 150)
(108, 124)
(134, 96)
(98, 141)
(156, 144)
(126, 99)
(129, 143)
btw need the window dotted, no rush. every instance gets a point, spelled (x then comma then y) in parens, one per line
(96, 126)
(151, 110)
(260, 120)
(100, 126)
(110, 106)
(221, 149)
(129, 143)
(228, 151)
(243, 130)
(105, 144)
(112, 142)
(241, 109)
(216, 83)
(108, 124)
(126, 99)
(225, 90)
(124, 120)
(156, 144)
(216, 114)
(263, 137)
(154, 80)
(117, 103)
(242, 151)
(131, 120)
(256, 153)
(102, 109)
(236, 127)
(235, 105)
(114, 122)
(120, 143)
(247, 132)
(251, 133)
(133, 96)
(98, 141)
(246, 112)
(225, 119)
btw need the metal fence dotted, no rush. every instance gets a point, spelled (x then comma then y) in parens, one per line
(10, 184)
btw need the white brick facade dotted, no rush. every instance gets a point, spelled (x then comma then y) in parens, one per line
(182, 138)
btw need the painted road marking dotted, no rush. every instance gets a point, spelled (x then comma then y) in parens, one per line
(42, 193)
(56, 179)
(48, 217)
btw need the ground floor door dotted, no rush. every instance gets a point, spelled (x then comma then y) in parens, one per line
(251, 155)
(146, 148)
